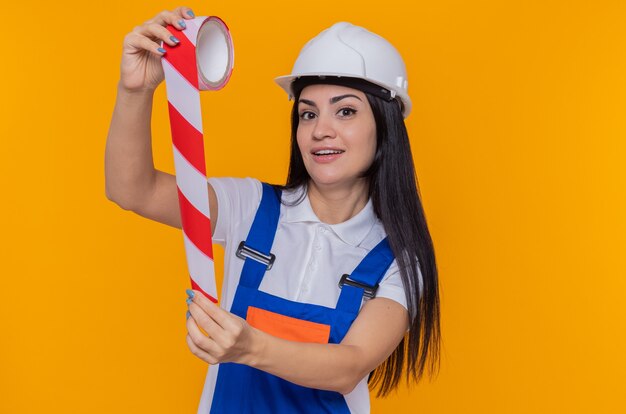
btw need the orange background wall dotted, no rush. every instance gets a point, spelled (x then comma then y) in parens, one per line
(518, 137)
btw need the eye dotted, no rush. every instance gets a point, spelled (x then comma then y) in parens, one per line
(346, 112)
(306, 115)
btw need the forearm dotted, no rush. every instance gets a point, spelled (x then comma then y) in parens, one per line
(333, 367)
(129, 167)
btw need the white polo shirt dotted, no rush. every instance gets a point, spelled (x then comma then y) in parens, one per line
(311, 257)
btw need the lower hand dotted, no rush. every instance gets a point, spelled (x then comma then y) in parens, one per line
(228, 338)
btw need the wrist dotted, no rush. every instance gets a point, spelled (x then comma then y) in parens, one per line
(256, 350)
(140, 93)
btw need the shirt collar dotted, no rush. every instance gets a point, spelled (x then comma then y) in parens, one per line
(352, 231)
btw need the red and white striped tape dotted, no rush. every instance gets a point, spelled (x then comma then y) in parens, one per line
(203, 60)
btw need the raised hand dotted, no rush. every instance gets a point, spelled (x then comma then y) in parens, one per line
(141, 68)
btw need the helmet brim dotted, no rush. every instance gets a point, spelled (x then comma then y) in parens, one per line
(285, 82)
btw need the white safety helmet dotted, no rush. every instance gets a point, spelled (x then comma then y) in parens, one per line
(345, 50)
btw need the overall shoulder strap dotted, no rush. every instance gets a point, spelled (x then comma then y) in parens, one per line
(365, 278)
(256, 248)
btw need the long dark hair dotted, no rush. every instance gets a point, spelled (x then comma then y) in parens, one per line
(393, 189)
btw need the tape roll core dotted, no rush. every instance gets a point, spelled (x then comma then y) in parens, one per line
(214, 53)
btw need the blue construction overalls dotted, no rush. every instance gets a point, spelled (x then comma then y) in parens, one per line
(243, 389)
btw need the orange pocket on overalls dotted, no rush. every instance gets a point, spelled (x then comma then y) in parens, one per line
(286, 327)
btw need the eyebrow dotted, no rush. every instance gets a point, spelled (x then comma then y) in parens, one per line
(332, 100)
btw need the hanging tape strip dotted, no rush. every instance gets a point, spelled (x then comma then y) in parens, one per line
(203, 60)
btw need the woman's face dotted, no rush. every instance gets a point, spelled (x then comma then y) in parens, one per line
(336, 134)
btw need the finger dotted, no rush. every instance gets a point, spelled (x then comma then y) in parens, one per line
(205, 322)
(155, 32)
(206, 343)
(167, 17)
(135, 41)
(219, 315)
(205, 356)
(184, 12)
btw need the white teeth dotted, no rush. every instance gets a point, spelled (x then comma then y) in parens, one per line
(327, 152)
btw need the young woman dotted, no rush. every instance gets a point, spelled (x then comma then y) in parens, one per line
(352, 294)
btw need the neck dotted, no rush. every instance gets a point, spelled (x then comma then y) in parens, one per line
(333, 205)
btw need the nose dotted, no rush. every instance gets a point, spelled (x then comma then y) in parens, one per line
(324, 128)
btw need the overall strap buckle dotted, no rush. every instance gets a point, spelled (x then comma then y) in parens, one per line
(244, 251)
(368, 291)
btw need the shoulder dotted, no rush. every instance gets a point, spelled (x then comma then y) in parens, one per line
(233, 187)
(237, 200)
(391, 286)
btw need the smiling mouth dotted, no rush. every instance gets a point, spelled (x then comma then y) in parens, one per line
(327, 152)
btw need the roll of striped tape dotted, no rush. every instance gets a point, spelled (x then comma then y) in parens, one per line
(203, 60)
